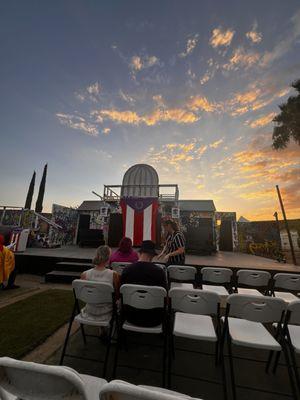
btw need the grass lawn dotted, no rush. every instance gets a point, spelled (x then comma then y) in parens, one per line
(29, 322)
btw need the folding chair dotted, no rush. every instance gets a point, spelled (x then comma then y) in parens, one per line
(142, 297)
(120, 390)
(244, 325)
(28, 380)
(95, 293)
(119, 266)
(289, 282)
(252, 278)
(196, 311)
(219, 276)
(182, 276)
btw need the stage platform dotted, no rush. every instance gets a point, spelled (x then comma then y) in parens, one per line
(41, 257)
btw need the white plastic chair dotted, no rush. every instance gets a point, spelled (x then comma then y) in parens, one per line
(289, 282)
(120, 390)
(32, 381)
(244, 324)
(194, 312)
(143, 297)
(119, 266)
(220, 276)
(94, 293)
(254, 278)
(179, 274)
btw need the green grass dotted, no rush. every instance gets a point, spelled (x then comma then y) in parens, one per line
(29, 322)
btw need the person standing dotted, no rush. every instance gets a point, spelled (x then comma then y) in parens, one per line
(173, 252)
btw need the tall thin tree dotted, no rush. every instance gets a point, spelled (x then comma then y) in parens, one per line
(30, 192)
(40, 198)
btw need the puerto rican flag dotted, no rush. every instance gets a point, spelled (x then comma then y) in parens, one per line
(139, 218)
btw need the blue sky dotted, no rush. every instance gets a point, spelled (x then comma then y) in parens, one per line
(190, 87)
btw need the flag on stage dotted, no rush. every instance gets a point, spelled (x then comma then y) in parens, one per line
(139, 218)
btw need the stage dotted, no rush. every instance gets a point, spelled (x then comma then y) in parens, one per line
(44, 260)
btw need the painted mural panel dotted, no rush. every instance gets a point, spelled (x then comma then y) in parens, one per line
(66, 218)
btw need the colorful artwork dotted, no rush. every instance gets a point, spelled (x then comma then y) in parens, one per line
(66, 218)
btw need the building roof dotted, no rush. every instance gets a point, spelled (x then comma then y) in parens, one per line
(196, 205)
(90, 205)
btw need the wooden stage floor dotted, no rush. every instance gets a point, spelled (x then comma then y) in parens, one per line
(220, 259)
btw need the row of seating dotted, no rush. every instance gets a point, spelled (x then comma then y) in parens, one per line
(195, 314)
(27, 380)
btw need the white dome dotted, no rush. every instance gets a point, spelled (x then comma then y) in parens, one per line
(140, 180)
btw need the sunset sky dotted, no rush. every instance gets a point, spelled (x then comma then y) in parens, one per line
(189, 87)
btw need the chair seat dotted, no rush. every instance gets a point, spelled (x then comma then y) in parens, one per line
(192, 326)
(286, 296)
(93, 386)
(295, 337)
(221, 290)
(249, 291)
(181, 285)
(251, 334)
(92, 321)
(127, 326)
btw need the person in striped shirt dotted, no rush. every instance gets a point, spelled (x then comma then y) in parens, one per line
(173, 252)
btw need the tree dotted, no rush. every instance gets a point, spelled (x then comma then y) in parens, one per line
(40, 198)
(288, 121)
(30, 192)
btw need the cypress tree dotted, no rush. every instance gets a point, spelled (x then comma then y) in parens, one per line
(30, 192)
(40, 198)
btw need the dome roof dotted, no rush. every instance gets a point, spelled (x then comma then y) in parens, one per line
(140, 180)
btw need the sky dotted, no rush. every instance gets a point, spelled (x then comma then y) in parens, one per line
(189, 87)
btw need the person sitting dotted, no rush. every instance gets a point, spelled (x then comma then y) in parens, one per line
(8, 270)
(144, 272)
(99, 273)
(125, 252)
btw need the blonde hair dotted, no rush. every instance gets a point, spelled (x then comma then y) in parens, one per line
(102, 255)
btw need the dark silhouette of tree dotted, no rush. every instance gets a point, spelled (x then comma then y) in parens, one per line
(288, 121)
(30, 192)
(40, 198)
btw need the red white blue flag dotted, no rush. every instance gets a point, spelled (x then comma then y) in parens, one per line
(139, 218)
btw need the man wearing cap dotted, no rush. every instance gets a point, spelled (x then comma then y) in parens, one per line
(144, 272)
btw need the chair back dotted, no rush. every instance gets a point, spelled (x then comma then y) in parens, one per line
(92, 292)
(182, 273)
(32, 381)
(194, 301)
(294, 309)
(143, 297)
(262, 309)
(216, 275)
(120, 390)
(119, 266)
(254, 278)
(287, 281)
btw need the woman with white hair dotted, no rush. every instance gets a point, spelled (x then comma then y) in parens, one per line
(101, 274)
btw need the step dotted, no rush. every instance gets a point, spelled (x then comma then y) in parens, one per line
(62, 276)
(72, 266)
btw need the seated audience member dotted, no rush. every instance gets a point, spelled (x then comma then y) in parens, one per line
(7, 267)
(125, 252)
(101, 274)
(144, 272)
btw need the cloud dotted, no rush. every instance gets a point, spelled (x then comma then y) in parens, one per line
(91, 92)
(196, 103)
(190, 46)
(79, 123)
(254, 36)
(94, 89)
(106, 131)
(126, 97)
(240, 58)
(261, 121)
(157, 116)
(221, 37)
(216, 144)
(138, 63)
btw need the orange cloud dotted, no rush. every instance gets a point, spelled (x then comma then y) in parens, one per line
(221, 37)
(241, 58)
(216, 144)
(78, 123)
(201, 103)
(262, 121)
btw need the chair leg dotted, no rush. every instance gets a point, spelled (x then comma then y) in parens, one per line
(217, 356)
(107, 350)
(119, 338)
(269, 361)
(231, 367)
(222, 361)
(165, 354)
(294, 364)
(67, 335)
(83, 334)
(289, 368)
(276, 362)
(170, 358)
